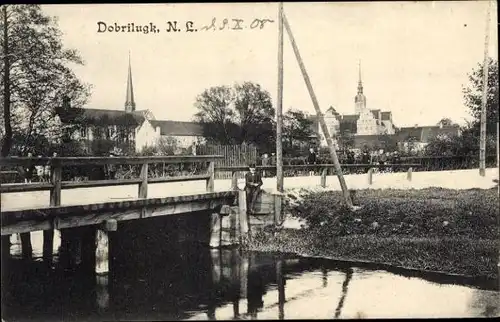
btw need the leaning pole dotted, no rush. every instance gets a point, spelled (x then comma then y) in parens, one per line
(333, 154)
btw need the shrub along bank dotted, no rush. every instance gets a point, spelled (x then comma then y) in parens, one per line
(452, 231)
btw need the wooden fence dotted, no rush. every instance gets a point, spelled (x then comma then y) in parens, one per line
(233, 156)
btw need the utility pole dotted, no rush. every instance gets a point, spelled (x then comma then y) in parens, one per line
(279, 105)
(484, 101)
(333, 154)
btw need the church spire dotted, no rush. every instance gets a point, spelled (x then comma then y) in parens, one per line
(360, 98)
(129, 100)
(360, 83)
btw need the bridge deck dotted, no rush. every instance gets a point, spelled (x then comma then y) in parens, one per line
(57, 217)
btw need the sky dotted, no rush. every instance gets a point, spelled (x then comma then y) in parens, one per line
(415, 56)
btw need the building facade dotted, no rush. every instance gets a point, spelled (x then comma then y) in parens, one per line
(130, 130)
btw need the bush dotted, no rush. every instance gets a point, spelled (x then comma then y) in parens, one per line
(411, 213)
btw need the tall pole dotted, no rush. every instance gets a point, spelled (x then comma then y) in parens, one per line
(279, 105)
(324, 128)
(484, 101)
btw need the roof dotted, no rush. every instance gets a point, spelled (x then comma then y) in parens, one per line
(101, 116)
(425, 133)
(350, 118)
(177, 128)
(332, 110)
(386, 116)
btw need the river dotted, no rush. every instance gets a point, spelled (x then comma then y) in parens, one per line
(151, 279)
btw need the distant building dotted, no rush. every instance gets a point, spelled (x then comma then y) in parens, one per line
(417, 137)
(363, 122)
(128, 129)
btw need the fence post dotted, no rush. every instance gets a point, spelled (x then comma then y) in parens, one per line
(55, 200)
(143, 186)
(234, 181)
(409, 173)
(323, 177)
(370, 176)
(211, 173)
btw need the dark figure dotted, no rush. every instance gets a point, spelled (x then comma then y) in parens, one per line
(253, 182)
(29, 170)
(350, 157)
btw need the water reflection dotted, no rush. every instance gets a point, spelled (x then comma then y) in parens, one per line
(155, 278)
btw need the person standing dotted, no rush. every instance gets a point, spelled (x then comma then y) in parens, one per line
(253, 182)
(29, 170)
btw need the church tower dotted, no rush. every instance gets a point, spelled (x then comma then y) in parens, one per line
(360, 99)
(129, 100)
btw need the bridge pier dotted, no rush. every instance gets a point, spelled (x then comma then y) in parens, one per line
(26, 248)
(103, 237)
(71, 248)
(5, 249)
(48, 246)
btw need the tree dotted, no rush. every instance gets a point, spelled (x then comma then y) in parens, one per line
(473, 95)
(446, 122)
(388, 142)
(297, 129)
(236, 115)
(36, 75)
(346, 140)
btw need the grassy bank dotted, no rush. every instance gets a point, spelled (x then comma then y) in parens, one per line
(452, 231)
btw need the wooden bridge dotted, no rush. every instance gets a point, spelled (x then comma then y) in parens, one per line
(230, 221)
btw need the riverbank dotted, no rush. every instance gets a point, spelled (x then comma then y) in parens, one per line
(434, 229)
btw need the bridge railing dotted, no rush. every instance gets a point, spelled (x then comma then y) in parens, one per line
(323, 168)
(56, 184)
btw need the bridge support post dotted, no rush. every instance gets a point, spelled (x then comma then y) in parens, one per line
(48, 246)
(102, 246)
(55, 200)
(5, 247)
(102, 259)
(215, 230)
(26, 248)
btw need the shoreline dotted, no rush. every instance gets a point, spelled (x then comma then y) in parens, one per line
(435, 230)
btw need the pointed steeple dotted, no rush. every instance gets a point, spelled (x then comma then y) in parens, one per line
(360, 83)
(360, 98)
(129, 100)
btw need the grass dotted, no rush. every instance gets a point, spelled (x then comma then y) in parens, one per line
(451, 231)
